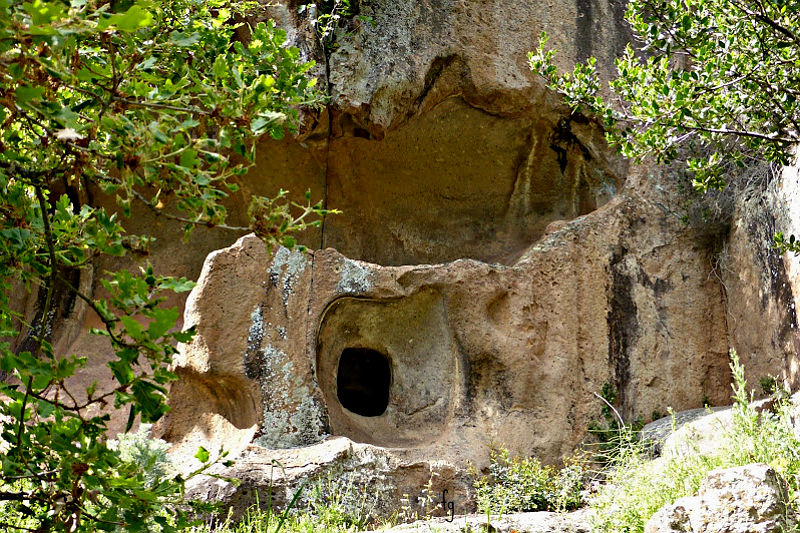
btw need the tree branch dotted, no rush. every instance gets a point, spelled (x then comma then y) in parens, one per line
(762, 17)
(46, 311)
(21, 528)
(155, 105)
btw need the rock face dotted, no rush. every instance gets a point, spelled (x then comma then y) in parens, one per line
(438, 144)
(437, 107)
(761, 285)
(476, 351)
(472, 353)
(746, 499)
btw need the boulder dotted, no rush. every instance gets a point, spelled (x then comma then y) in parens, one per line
(539, 522)
(744, 499)
(698, 429)
(673, 518)
(701, 430)
(360, 478)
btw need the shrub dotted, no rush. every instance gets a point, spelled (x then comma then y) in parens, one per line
(612, 434)
(327, 505)
(638, 486)
(147, 453)
(517, 484)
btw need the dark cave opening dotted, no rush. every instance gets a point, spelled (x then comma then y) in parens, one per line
(363, 380)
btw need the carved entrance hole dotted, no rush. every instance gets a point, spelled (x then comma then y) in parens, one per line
(387, 369)
(363, 380)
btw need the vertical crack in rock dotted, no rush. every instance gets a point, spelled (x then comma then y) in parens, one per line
(328, 141)
(622, 322)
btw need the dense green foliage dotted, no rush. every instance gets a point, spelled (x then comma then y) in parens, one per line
(156, 104)
(714, 82)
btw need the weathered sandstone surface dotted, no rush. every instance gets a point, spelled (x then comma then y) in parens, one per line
(477, 353)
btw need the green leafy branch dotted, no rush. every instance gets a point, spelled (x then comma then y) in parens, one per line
(154, 103)
(719, 77)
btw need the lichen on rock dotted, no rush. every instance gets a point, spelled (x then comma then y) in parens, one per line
(284, 270)
(355, 278)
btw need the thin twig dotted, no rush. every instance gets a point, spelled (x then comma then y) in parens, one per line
(139, 196)
(621, 421)
(22, 528)
(108, 322)
(21, 496)
(762, 17)
(155, 105)
(100, 520)
(36, 475)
